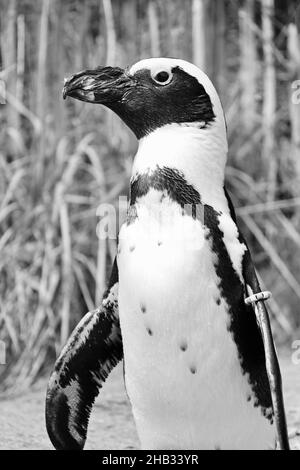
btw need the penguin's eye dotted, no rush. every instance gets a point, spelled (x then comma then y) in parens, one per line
(162, 77)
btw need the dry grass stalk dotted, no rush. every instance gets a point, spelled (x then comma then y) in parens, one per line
(20, 57)
(199, 39)
(153, 29)
(248, 66)
(41, 94)
(269, 101)
(9, 57)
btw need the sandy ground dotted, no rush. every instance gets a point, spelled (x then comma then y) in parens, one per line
(111, 425)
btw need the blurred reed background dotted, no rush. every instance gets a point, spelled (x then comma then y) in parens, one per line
(59, 160)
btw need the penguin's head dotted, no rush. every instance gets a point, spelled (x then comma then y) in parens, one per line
(151, 94)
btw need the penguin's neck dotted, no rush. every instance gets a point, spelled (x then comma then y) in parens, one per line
(197, 154)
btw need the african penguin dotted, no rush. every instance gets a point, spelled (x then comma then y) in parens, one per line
(175, 306)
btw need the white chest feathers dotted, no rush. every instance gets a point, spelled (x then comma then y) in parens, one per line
(182, 372)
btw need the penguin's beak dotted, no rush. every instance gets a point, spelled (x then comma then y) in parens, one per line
(103, 85)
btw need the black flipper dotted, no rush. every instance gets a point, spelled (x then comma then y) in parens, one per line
(92, 351)
(262, 318)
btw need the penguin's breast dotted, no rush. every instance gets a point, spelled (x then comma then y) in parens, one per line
(168, 288)
(181, 363)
